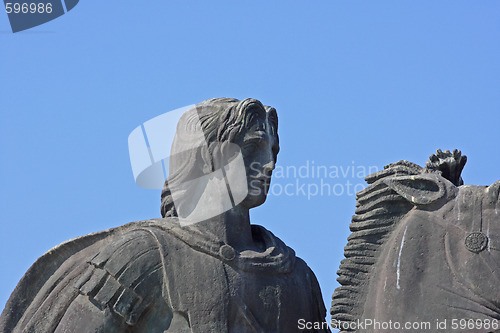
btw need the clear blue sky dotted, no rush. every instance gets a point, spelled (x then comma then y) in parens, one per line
(355, 83)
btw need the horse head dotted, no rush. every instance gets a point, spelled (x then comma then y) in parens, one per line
(424, 249)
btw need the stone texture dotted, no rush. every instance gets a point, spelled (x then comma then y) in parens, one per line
(221, 274)
(424, 248)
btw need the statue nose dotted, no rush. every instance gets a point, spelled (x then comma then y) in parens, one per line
(269, 167)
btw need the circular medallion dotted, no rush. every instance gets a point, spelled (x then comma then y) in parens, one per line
(227, 252)
(476, 242)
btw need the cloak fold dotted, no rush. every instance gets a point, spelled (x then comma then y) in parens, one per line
(48, 287)
(125, 269)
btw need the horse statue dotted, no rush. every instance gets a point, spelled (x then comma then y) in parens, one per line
(424, 252)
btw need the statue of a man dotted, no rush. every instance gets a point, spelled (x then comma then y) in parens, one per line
(202, 267)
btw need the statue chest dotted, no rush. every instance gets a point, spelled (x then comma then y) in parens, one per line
(267, 302)
(210, 291)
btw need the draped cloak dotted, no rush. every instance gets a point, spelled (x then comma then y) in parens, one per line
(128, 269)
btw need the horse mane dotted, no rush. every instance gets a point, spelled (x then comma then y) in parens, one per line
(379, 209)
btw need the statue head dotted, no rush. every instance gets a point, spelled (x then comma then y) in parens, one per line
(223, 149)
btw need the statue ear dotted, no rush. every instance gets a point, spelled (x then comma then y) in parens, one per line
(419, 190)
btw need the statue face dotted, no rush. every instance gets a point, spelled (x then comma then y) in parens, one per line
(259, 149)
(223, 154)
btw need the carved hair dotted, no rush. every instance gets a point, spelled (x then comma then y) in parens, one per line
(380, 207)
(196, 151)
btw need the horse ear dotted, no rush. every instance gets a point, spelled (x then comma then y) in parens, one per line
(494, 192)
(419, 190)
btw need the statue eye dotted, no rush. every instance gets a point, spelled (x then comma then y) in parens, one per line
(250, 146)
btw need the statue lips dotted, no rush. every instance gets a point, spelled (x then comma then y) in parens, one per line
(260, 181)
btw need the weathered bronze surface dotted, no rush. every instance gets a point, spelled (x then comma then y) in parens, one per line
(424, 248)
(180, 273)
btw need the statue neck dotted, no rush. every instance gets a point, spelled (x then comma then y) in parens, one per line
(232, 227)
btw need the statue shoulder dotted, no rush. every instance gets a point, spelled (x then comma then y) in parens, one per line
(52, 283)
(127, 274)
(318, 306)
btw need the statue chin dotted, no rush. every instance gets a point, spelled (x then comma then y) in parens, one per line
(254, 199)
